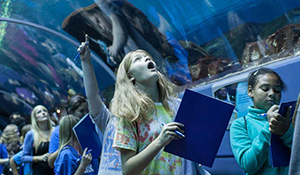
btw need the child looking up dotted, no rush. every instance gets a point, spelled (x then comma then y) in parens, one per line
(143, 99)
(36, 143)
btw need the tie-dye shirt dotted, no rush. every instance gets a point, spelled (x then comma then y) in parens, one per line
(136, 136)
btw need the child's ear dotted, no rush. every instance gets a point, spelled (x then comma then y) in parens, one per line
(250, 91)
(131, 78)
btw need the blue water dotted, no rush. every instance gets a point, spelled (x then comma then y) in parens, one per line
(200, 20)
(194, 20)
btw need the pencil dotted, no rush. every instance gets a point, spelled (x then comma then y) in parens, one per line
(262, 115)
(90, 150)
(177, 132)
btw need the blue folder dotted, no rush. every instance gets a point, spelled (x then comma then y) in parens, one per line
(280, 154)
(85, 131)
(205, 120)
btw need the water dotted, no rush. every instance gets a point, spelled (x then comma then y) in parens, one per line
(200, 20)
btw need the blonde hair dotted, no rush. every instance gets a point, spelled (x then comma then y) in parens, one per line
(66, 134)
(128, 103)
(38, 137)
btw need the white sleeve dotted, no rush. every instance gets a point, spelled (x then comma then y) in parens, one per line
(102, 118)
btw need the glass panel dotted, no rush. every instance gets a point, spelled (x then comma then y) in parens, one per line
(192, 42)
(235, 94)
(36, 67)
(222, 37)
(228, 94)
(48, 13)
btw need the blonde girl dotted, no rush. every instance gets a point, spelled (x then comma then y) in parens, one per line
(69, 151)
(143, 100)
(36, 141)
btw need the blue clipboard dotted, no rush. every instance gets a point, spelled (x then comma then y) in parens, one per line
(205, 121)
(280, 154)
(85, 131)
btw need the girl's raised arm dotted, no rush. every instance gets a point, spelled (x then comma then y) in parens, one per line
(89, 79)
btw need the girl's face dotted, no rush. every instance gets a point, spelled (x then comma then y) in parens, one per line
(143, 69)
(81, 110)
(267, 91)
(41, 114)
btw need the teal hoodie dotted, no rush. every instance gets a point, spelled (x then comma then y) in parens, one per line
(250, 144)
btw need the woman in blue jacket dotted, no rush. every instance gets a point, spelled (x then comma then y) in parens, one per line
(36, 143)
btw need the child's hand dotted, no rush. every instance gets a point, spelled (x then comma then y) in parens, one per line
(168, 133)
(277, 123)
(84, 49)
(86, 158)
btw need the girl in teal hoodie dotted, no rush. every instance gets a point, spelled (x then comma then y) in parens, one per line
(250, 135)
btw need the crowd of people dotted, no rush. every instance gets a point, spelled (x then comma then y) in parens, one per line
(25, 147)
(130, 130)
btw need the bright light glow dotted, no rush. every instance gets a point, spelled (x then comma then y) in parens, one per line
(5, 13)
